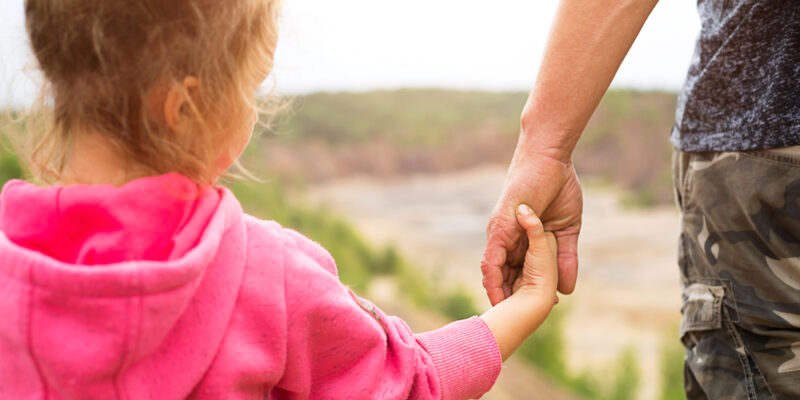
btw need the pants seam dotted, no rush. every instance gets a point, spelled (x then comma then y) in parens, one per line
(742, 356)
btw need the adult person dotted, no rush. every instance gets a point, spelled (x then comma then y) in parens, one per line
(737, 180)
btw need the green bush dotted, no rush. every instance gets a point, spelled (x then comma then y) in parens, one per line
(672, 355)
(545, 348)
(404, 118)
(9, 167)
(638, 198)
(626, 377)
(415, 287)
(458, 304)
(388, 262)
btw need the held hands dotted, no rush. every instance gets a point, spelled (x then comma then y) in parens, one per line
(550, 186)
(532, 288)
(539, 270)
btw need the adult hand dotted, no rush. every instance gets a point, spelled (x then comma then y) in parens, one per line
(588, 40)
(548, 183)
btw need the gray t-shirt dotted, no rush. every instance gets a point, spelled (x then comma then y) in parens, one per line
(743, 87)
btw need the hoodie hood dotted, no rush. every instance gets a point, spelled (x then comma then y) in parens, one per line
(110, 290)
(157, 219)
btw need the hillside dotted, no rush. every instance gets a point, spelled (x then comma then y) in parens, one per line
(393, 133)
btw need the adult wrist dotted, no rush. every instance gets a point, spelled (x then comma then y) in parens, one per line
(540, 137)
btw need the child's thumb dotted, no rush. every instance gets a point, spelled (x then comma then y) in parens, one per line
(540, 260)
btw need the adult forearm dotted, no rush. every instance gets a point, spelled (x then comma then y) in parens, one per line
(587, 43)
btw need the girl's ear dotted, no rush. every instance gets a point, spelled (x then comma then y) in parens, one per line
(178, 104)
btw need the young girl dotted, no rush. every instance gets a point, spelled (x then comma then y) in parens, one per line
(133, 277)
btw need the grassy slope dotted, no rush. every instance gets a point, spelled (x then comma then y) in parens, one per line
(396, 132)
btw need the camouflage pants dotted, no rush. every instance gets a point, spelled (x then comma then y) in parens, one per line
(739, 258)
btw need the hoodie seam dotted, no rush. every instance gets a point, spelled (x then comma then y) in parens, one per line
(131, 337)
(29, 336)
(123, 350)
(282, 253)
(245, 269)
(140, 302)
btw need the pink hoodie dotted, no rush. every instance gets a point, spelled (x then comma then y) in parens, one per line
(155, 290)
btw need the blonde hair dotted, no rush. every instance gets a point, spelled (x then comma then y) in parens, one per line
(102, 59)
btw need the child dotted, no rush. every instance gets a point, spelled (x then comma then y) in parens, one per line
(133, 277)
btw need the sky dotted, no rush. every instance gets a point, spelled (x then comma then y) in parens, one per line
(356, 45)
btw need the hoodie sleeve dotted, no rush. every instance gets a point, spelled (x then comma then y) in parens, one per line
(343, 347)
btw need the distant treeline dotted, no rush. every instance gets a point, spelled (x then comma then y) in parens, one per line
(390, 133)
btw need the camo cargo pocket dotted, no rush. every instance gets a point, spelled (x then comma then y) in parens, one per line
(702, 308)
(717, 363)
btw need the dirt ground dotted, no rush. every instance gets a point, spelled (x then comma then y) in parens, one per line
(628, 288)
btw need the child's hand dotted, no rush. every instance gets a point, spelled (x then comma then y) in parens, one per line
(540, 271)
(534, 288)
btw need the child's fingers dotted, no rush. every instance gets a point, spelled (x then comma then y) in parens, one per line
(552, 241)
(540, 261)
(537, 240)
(543, 256)
(530, 222)
(551, 260)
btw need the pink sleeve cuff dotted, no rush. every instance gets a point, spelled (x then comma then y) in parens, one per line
(466, 358)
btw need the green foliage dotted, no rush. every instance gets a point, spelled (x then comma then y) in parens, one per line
(9, 167)
(672, 355)
(405, 118)
(586, 383)
(388, 261)
(415, 287)
(638, 198)
(620, 382)
(626, 140)
(626, 379)
(545, 349)
(458, 304)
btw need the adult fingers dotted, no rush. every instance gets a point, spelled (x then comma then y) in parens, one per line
(567, 261)
(503, 235)
(494, 257)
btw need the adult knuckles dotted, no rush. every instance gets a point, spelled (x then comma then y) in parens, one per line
(498, 230)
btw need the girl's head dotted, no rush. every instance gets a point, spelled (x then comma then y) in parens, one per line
(169, 85)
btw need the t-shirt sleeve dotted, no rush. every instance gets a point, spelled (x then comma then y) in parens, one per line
(341, 346)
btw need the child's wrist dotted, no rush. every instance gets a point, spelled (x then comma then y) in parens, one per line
(537, 296)
(515, 318)
(534, 305)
